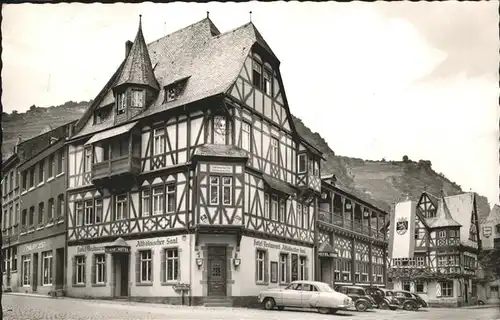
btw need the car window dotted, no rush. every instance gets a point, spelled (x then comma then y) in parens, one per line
(352, 291)
(399, 294)
(408, 295)
(309, 287)
(294, 286)
(360, 292)
(388, 293)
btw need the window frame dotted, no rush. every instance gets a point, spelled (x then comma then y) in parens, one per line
(41, 171)
(274, 207)
(447, 289)
(26, 272)
(214, 186)
(100, 268)
(172, 269)
(146, 202)
(87, 159)
(80, 269)
(47, 255)
(275, 150)
(246, 135)
(260, 264)
(227, 185)
(120, 103)
(158, 199)
(79, 213)
(98, 210)
(284, 266)
(89, 214)
(145, 264)
(123, 205)
(158, 141)
(171, 197)
(301, 166)
(302, 268)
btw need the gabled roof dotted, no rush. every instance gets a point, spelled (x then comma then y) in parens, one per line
(493, 218)
(211, 60)
(137, 68)
(461, 208)
(443, 216)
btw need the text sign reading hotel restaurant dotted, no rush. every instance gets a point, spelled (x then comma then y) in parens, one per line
(117, 250)
(283, 247)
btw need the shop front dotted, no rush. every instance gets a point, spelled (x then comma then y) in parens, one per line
(41, 265)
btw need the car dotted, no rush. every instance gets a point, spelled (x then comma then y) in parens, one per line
(362, 300)
(384, 298)
(409, 301)
(305, 294)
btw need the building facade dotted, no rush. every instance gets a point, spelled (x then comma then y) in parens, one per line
(489, 268)
(10, 226)
(188, 182)
(433, 249)
(42, 237)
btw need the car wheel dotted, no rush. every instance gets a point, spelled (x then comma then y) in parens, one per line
(408, 306)
(383, 305)
(323, 310)
(269, 303)
(361, 306)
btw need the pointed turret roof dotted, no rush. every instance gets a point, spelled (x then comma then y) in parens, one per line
(444, 217)
(137, 68)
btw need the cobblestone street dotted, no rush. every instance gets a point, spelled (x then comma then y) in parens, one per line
(34, 308)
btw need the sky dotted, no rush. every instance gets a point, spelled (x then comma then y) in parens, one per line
(376, 80)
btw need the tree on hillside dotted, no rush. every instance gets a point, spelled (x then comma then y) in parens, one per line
(33, 108)
(405, 158)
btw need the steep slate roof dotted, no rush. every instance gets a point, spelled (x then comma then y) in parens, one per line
(443, 216)
(461, 207)
(137, 68)
(494, 217)
(212, 63)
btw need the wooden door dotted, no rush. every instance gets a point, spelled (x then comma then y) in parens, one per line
(217, 265)
(124, 262)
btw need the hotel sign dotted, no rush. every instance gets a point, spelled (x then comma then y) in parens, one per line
(117, 249)
(221, 169)
(157, 242)
(89, 248)
(327, 254)
(279, 246)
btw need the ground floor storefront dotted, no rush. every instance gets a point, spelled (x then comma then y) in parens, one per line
(186, 269)
(455, 292)
(41, 265)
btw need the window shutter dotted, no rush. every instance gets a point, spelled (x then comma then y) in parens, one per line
(306, 269)
(288, 270)
(163, 271)
(152, 267)
(137, 267)
(92, 270)
(438, 289)
(73, 268)
(266, 267)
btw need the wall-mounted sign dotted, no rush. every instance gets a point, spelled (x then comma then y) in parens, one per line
(30, 247)
(117, 249)
(327, 254)
(279, 246)
(89, 248)
(220, 168)
(487, 231)
(157, 242)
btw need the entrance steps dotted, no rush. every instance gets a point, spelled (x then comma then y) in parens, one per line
(213, 302)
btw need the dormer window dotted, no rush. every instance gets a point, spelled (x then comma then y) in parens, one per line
(120, 103)
(262, 76)
(174, 90)
(268, 84)
(220, 129)
(257, 75)
(137, 98)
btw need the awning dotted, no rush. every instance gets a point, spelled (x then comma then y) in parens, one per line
(111, 133)
(326, 250)
(278, 185)
(118, 246)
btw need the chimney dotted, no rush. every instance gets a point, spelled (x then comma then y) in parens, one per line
(128, 47)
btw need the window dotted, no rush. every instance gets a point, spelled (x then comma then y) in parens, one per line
(257, 75)
(60, 162)
(305, 217)
(24, 218)
(246, 136)
(302, 268)
(158, 141)
(158, 200)
(60, 210)
(137, 99)
(14, 259)
(498, 229)
(51, 166)
(214, 190)
(146, 202)
(446, 288)
(302, 160)
(268, 84)
(120, 103)
(261, 265)
(474, 290)
(406, 285)
(171, 203)
(47, 267)
(80, 270)
(282, 214)
(100, 268)
(266, 206)
(88, 159)
(79, 213)
(172, 264)
(98, 210)
(283, 267)
(227, 190)
(89, 212)
(50, 209)
(442, 234)
(32, 216)
(25, 180)
(274, 207)
(420, 261)
(220, 129)
(121, 207)
(11, 180)
(41, 172)
(145, 265)
(419, 287)
(26, 270)
(41, 212)
(32, 177)
(274, 150)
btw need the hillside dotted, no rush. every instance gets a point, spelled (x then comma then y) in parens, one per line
(379, 182)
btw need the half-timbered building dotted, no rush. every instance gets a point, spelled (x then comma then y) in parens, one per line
(355, 229)
(42, 238)
(433, 249)
(10, 227)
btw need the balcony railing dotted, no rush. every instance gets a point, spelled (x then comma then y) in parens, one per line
(346, 223)
(116, 166)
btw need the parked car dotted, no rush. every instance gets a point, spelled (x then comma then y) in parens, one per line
(409, 301)
(362, 301)
(384, 298)
(305, 294)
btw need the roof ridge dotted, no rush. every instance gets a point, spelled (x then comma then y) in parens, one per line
(178, 30)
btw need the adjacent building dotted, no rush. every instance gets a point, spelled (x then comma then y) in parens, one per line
(433, 248)
(10, 226)
(188, 182)
(42, 231)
